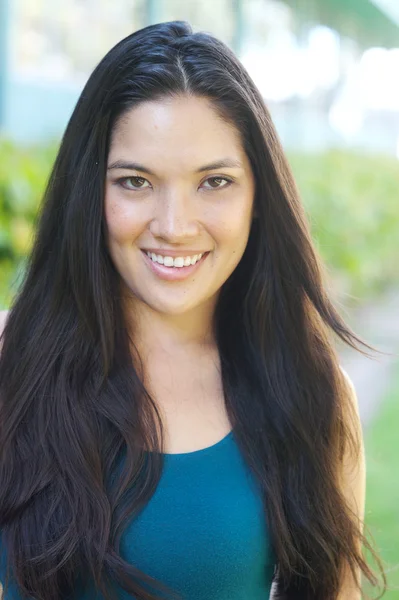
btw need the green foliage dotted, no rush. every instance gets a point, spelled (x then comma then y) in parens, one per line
(23, 177)
(352, 202)
(382, 490)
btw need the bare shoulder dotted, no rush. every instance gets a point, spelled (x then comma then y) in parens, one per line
(353, 482)
(352, 411)
(3, 319)
(349, 381)
(354, 461)
(353, 404)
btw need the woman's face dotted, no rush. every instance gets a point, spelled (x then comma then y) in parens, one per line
(168, 192)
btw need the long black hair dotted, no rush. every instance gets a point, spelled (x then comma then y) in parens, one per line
(72, 396)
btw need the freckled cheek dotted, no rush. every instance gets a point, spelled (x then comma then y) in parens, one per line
(230, 225)
(122, 224)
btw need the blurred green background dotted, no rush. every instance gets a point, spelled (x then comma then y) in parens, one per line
(327, 70)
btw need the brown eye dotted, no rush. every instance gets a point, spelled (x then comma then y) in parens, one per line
(136, 180)
(217, 181)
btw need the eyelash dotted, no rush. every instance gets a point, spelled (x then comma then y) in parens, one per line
(123, 179)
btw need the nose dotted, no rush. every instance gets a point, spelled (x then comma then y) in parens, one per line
(175, 219)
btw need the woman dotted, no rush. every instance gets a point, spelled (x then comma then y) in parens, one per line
(174, 417)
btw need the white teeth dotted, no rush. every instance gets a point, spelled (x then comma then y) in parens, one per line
(179, 261)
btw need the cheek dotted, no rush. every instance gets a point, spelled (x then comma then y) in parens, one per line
(232, 224)
(121, 222)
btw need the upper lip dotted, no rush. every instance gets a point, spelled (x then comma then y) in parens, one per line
(174, 253)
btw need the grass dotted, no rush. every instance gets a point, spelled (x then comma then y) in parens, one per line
(382, 500)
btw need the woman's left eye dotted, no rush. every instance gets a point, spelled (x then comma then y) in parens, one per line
(135, 179)
(218, 180)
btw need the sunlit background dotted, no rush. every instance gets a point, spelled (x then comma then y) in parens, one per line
(329, 72)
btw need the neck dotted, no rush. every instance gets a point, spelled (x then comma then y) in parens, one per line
(186, 334)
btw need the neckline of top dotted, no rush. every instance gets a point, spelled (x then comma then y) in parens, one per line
(201, 451)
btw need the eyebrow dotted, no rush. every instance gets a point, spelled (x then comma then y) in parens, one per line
(228, 163)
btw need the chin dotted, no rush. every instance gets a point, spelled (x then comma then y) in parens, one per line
(171, 310)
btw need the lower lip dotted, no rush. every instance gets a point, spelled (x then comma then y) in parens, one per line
(173, 273)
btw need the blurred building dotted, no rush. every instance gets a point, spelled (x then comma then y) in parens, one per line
(328, 69)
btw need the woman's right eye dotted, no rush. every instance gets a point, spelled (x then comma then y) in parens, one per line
(140, 180)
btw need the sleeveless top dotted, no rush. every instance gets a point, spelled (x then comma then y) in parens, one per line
(203, 533)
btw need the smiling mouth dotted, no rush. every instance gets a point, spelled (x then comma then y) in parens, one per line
(173, 273)
(175, 262)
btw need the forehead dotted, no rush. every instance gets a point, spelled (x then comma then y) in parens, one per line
(186, 126)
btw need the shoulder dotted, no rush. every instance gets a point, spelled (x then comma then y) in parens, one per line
(350, 407)
(354, 456)
(3, 319)
(354, 464)
(353, 481)
(348, 380)
(352, 404)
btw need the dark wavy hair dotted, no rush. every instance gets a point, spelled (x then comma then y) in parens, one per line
(72, 394)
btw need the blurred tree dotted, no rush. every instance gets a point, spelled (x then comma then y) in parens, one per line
(4, 33)
(360, 20)
(151, 11)
(240, 25)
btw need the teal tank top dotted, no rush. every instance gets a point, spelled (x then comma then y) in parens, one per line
(203, 532)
